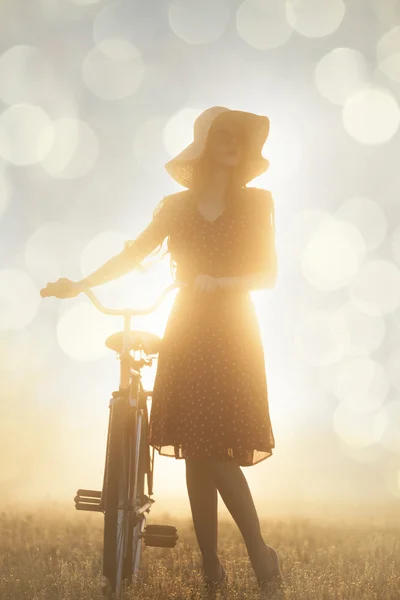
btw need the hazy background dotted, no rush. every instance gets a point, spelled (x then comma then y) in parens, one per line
(95, 97)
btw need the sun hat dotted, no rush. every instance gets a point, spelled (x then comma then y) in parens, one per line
(256, 127)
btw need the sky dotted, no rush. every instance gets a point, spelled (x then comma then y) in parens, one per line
(95, 98)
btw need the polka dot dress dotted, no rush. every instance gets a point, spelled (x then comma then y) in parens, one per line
(210, 394)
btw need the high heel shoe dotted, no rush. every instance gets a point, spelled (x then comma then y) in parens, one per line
(212, 585)
(273, 580)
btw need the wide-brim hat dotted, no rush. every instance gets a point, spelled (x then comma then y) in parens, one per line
(256, 128)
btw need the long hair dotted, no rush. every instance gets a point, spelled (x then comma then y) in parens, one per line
(201, 172)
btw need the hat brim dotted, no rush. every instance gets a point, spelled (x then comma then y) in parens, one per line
(257, 127)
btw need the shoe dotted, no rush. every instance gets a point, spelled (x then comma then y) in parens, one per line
(211, 584)
(273, 580)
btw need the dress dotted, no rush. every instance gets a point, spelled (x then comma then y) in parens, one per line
(210, 395)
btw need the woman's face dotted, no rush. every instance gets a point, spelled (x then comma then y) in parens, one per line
(225, 144)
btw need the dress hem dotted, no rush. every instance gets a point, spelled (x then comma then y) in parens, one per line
(178, 455)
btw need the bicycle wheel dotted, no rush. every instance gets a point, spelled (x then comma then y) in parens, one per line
(117, 494)
(140, 464)
(128, 454)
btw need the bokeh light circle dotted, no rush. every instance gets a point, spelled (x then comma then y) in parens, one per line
(304, 226)
(19, 299)
(362, 384)
(75, 149)
(47, 250)
(388, 53)
(315, 18)
(113, 69)
(341, 73)
(333, 255)
(25, 76)
(198, 22)
(362, 454)
(26, 134)
(263, 24)
(376, 288)
(369, 218)
(366, 332)
(359, 429)
(371, 116)
(321, 338)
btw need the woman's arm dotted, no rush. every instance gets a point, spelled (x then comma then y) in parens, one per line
(132, 255)
(118, 265)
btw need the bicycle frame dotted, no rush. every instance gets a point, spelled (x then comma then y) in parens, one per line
(126, 510)
(127, 373)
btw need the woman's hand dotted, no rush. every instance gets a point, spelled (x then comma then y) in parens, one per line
(62, 288)
(205, 283)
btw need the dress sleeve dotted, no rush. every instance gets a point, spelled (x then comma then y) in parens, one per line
(261, 241)
(153, 235)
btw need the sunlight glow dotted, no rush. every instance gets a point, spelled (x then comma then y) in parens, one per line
(359, 429)
(19, 299)
(333, 255)
(178, 132)
(362, 385)
(391, 436)
(82, 331)
(321, 338)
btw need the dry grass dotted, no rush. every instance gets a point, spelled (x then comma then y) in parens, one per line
(56, 554)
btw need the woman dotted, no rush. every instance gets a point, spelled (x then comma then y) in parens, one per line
(210, 400)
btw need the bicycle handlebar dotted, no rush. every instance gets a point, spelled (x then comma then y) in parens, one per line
(131, 311)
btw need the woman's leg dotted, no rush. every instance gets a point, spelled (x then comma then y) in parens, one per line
(203, 497)
(235, 492)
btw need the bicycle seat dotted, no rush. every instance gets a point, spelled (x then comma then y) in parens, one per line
(138, 340)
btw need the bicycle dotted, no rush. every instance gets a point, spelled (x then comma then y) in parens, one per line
(123, 500)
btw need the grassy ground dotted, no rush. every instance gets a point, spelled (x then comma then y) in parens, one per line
(56, 554)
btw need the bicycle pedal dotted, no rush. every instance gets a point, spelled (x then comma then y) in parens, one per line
(163, 536)
(88, 500)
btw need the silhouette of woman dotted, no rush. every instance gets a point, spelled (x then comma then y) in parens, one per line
(210, 399)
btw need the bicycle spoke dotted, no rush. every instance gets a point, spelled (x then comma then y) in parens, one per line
(123, 513)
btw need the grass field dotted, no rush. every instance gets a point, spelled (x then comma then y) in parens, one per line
(56, 554)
